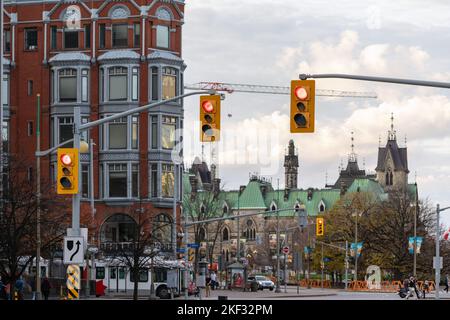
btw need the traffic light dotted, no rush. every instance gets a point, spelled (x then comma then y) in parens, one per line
(67, 177)
(191, 254)
(319, 227)
(302, 105)
(210, 118)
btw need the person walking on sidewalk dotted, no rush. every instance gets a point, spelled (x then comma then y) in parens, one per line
(446, 283)
(45, 287)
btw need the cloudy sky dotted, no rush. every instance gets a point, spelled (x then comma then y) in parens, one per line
(269, 42)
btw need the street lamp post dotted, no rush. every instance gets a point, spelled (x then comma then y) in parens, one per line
(277, 290)
(415, 232)
(356, 247)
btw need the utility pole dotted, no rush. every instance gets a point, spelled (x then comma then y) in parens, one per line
(277, 290)
(416, 209)
(38, 193)
(356, 247)
(322, 265)
(437, 275)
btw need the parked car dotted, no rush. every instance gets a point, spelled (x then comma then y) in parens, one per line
(263, 282)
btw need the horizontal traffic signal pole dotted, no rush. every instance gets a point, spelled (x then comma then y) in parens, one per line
(411, 82)
(95, 123)
(238, 216)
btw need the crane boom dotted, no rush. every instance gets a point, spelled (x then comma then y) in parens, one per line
(251, 88)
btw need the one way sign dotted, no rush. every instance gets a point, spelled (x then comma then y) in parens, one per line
(73, 250)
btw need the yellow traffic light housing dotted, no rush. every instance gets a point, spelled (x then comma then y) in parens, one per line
(67, 176)
(210, 118)
(303, 94)
(320, 228)
(191, 254)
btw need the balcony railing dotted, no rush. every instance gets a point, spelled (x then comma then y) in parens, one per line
(118, 247)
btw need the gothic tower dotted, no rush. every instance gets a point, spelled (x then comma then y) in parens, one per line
(392, 168)
(291, 166)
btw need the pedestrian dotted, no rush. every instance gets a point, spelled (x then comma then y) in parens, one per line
(213, 280)
(45, 287)
(32, 284)
(19, 286)
(2, 290)
(8, 291)
(446, 283)
(207, 287)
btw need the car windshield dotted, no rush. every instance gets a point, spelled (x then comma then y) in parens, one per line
(261, 278)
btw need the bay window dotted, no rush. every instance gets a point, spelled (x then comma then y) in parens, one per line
(117, 180)
(123, 180)
(168, 128)
(167, 180)
(134, 84)
(68, 85)
(169, 77)
(155, 82)
(118, 83)
(118, 134)
(154, 180)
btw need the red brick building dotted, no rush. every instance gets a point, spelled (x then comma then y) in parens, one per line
(104, 57)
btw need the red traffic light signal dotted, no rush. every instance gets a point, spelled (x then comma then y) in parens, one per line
(302, 106)
(210, 118)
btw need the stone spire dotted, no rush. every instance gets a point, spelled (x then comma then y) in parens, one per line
(392, 135)
(291, 166)
(352, 157)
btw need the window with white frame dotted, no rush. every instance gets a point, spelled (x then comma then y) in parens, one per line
(118, 78)
(168, 128)
(119, 35)
(154, 84)
(121, 134)
(84, 85)
(117, 180)
(169, 82)
(118, 133)
(67, 85)
(65, 130)
(123, 180)
(167, 180)
(162, 36)
(154, 180)
(134, 84)
(5, 84)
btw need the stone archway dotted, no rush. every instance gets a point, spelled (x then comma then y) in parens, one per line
(118, 228)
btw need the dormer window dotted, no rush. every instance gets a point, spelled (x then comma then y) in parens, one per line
(225, 209)
(322, 206)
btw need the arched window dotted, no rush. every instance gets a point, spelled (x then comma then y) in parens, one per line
(162, 229)
(250, 231)
(389, 178)
(118, 228)
(225, 209)
(225, 234)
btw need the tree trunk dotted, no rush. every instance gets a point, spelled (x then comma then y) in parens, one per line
(136, 283)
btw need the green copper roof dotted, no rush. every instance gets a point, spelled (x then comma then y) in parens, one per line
(251, 197)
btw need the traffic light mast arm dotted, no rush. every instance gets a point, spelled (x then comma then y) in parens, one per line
(240, 216)
(92, 124)
(411, 82)
(48, 151)
(330, 245)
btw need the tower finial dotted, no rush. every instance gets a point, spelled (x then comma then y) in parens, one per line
(326, 177)
(392, 133)
(406, 140)
(379, 141)
(352, 156)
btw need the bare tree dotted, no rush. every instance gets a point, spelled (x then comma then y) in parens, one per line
(205, 205)
(18, 219)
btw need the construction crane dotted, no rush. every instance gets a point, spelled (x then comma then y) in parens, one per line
(252, 88)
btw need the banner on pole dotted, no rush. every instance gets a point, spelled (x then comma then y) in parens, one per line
(411, 244)
(356, 248)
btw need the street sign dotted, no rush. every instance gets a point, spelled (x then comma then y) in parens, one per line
(181, 250)
(83, 233)
(285, 250)
(73, 250)
(193, 245)
(441, 262)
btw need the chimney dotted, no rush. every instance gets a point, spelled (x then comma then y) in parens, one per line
(310, 194)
